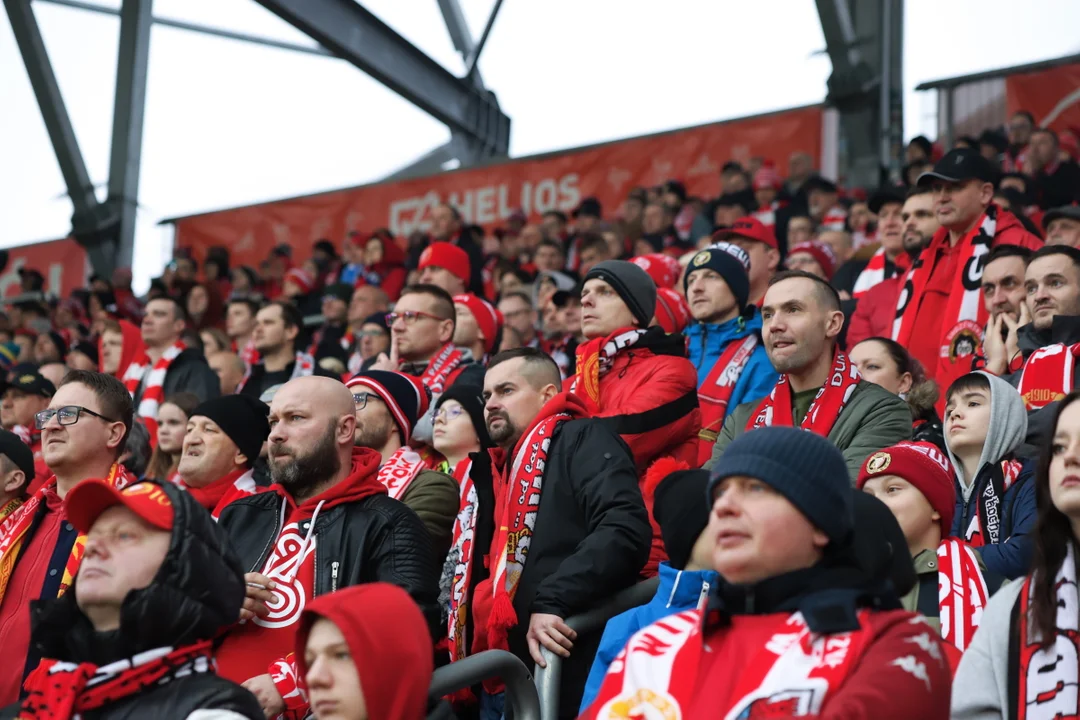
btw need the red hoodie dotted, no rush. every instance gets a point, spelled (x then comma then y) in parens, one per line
(133, 347)
(389, 643)
(261, 645)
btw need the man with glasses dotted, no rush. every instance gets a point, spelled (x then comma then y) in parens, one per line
(83, 432)
(941, 294)
(277, 327)
(388, 405)
(369, 304)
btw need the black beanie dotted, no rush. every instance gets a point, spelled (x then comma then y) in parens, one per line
(679, 511)
(468, 396)
(88, 349)
(730, 262)
(60, 343)
(242, 418)
(633, 285)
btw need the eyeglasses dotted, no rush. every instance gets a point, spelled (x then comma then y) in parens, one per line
(370, 333)
(361, 399)
(411, 316)
(67, 415)
(446, 414)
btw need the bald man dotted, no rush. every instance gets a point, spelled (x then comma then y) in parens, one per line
(229, 368)
(339, 528)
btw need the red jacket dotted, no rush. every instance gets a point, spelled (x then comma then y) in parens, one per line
(875, 312)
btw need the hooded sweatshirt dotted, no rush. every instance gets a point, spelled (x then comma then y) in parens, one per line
(261, 645)
(389, 643)
(132, 348)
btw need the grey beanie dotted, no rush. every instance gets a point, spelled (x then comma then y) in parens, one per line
(802, 466)
(633, 285)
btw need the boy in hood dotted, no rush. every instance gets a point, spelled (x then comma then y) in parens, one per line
(985, 422)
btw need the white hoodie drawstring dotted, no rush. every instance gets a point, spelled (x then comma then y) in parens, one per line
(304, 545)
(674, 589)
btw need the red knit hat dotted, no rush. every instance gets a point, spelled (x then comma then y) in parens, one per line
(923, 465)
(301, 279)
(449, 257)
(487, 316)
(664, 270)
(821, 252)
(672, 312)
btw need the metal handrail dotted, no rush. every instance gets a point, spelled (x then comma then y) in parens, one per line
(548, 679)
(521, 695)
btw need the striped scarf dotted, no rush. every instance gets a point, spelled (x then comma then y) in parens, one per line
(154, 386)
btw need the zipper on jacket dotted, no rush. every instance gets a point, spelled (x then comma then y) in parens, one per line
(703, 598)
(333, 575)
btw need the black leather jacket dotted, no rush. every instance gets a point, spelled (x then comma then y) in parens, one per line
(374, 539)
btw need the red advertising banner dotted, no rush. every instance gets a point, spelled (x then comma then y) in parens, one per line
(1051, 95)
(62, 262)
(488, 195)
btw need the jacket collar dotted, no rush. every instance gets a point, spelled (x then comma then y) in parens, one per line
(738, 327)
(1063, 329)
(682, 588)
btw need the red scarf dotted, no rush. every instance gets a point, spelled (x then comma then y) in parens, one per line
(594, 360)
(63, 691)
(1039, 687)
(521, 487)
(1048, 375)
(215, 496)
(400, 470)
(872, 274)
(985, 526)
(14, 528)
(776, 409)
(462, 549)
(154, 388)
(437, 372)
(656, 673)
(715, 393)
(965, 317)
(962, 593)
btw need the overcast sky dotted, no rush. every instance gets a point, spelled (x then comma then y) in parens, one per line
(230, 123)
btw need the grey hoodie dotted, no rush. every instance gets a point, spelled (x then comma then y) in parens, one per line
(1008, 428)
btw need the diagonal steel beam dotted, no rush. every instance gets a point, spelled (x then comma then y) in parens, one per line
(353, 33)
(474, 56)
(460, 35)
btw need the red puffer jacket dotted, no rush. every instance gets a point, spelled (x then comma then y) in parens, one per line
(649, 397)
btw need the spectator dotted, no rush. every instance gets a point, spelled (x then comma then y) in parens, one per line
(364, 536)
(760, 244)
(373, 339)
(16, 472)
(1003, 285)
(120, 343)
(518, 313)
(767, 184)
(446, 266)
(364, 653)
(172, 422)
(1055, 182)
(823, 202)
(447, 227)
(159, 581)
(137, 450)
(819, 388)
(245, 281)
(685, 579)
(941, 301)
(585, 527)
(224, 438)
(277, 332)
(50, 347)
(230, 370)
(477, 327)
(856, 276)
(301, 287)
(657, 232)
(387, 406)
(368, 305)
(204, 307)
(24, 397)
(839, 241)
(800, 229)
(800, 168)
(1063, 226)
(592, 250)
(54, 372)
(814, 257)
(549, 256)
(329, 339)
(83, 433)
(1019, 135)
(915, 481)
(1002, 672)
(83, 356)
(240, 326)
(724, 341)
(886, 363)
(984, 424)
(214, 341)
(586, 215)
(782, 515)
(672, 314)
(384, 265)
(919, 149)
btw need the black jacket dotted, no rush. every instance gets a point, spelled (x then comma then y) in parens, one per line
(1063, 329)
(259, 381)
(377, 539)
(188, 372)
(197, 593)
(591, 540)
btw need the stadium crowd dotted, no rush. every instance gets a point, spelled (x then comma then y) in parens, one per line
(839, 426)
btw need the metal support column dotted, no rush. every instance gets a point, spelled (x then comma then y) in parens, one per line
(136, 18)
(460, 35)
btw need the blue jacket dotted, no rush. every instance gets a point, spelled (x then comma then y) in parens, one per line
(1011, 558)
(708, 342)
(679, 590)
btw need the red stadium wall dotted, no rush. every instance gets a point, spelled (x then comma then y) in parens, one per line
(1051, 95)
(62, 263)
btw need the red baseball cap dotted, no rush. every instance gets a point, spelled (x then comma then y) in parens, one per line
(488, 318)
(748, 227)
(87, 500)
(449, 257)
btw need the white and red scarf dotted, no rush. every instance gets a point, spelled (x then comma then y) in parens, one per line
(791, 676)
(962, 592)
(595, 358)
(1043, 686)
(767, 215)
(965, 316)
(462, 548)
(215, 496)
(985, 525)
(832, 398)
(715, 393)
(153, 393)
(874, 273)
(398, 472)
(438, 371)
(303, 366)
(1048, 375)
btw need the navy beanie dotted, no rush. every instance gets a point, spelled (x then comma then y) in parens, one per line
(731, 262)
(802, 466)
(633, 285)
(469, 397)
(242, 418)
